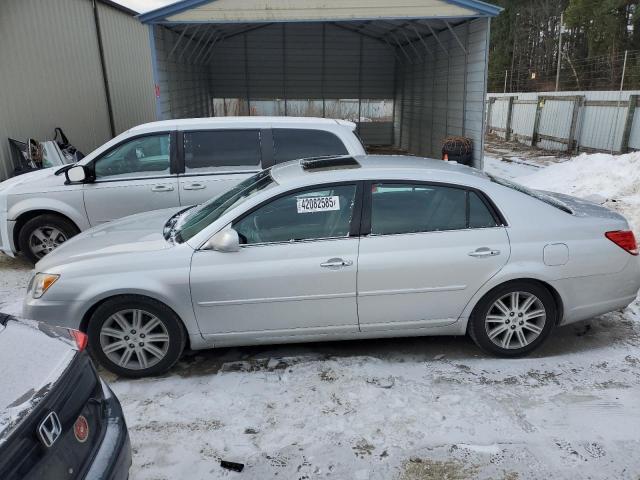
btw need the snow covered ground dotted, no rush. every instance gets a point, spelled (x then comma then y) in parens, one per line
(406, 409)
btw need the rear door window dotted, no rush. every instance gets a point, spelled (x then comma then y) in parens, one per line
(211, 149)
(291, 144)
(399, 208)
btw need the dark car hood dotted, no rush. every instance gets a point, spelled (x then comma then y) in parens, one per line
(33, 358)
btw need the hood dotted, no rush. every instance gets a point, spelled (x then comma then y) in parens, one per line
(138, 233)
(34, 181)
(583, 208)
(33, 358)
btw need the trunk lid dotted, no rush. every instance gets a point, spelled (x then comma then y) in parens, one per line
(583, 208)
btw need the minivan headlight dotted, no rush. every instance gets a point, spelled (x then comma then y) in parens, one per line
(42, 282)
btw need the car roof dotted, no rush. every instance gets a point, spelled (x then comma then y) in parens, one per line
(229, 122)
(381, 167)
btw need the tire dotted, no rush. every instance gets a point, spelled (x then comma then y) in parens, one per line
(53, 231)
(491, 322)
(113, 335)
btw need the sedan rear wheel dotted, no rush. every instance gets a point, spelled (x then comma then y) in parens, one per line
(513, 319)
(135, 336)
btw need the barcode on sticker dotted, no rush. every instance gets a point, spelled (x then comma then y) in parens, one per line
(318, 204)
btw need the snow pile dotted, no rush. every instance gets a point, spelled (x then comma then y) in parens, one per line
(613, 181)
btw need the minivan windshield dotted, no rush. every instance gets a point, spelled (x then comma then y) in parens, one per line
(196, 219)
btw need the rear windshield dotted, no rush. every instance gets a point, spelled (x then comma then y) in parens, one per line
(538, 195)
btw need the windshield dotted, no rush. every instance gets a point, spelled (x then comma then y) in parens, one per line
(204, 215)
(548, 199)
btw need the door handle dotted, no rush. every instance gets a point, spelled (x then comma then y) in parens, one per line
(194, 186)
(336, 263)
(162, 188)
(484, 252)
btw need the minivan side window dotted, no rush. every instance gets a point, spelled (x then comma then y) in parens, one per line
(207, 149)
(146, 156)
(291, 144)
(412, 208)
(319, 213)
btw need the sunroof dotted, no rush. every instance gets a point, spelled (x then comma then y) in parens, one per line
(328, 163)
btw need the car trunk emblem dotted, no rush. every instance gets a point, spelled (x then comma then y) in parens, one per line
(81, 429)
(49, 429)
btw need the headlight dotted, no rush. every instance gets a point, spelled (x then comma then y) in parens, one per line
(42, 282)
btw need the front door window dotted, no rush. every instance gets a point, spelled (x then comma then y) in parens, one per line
(320, 213)
(146, 156)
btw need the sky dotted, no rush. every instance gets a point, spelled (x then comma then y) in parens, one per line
(142, 6)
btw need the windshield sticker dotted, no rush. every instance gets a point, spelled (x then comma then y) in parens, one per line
(318, 204)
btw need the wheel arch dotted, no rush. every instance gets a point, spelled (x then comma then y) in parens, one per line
(84, 322)
(480, 295)
(24, 217)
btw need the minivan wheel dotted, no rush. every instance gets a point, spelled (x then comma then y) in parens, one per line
(44, 233)
(513, 319)
(135, 336)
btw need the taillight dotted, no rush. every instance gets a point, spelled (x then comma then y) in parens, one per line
(80, 338)
(625, 239)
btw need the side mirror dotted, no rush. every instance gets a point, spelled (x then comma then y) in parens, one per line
(76, 174)
(224, 241)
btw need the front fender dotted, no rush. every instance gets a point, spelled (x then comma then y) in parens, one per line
(68, 203)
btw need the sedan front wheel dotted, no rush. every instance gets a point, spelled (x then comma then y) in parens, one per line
(513, 319)
(135, 336)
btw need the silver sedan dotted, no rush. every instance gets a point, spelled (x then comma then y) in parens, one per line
(335, 249)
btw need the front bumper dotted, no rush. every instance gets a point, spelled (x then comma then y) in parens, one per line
(6, 234)
(113, 459)
(53, 312)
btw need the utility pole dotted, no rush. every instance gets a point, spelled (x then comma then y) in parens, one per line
(513, 52)
(506, 75)
(559, 52)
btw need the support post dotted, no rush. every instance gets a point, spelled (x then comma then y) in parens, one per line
(360, 85)
(324, 65)
(536, 123)
(284, 66)
(572, 145)
(507, 133)
(559, 53)
(628, 123)
(246, 74)
(103, 69)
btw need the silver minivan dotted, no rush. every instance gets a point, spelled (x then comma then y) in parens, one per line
(156, 165)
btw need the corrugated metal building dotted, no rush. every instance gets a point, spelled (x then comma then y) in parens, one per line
(52, 72)
(410, 73)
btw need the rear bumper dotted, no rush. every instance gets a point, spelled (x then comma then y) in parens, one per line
(113, 459)
(587, 297)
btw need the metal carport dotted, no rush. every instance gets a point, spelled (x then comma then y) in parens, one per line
(409, 72)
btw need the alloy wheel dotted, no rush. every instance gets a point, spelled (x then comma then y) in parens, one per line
(45, 239)
(134, 339)
(515, 320)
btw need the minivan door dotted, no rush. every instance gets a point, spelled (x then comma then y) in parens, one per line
(132, 177)
(217, 160)
(430, 248)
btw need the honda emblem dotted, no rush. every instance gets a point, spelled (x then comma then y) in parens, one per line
(49, 429)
